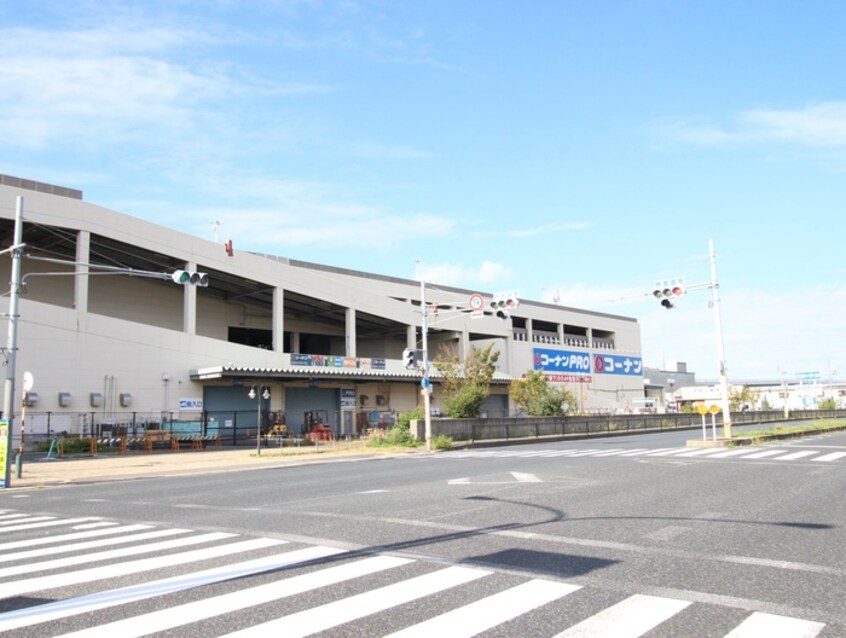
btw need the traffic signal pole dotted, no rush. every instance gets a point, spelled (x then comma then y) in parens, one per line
(11, 350)
(424, 366)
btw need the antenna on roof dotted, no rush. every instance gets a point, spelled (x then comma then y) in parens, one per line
(215, 226)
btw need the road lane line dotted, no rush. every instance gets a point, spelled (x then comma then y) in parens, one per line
(489, 612)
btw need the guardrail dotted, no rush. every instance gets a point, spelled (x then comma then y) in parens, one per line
(526, 429)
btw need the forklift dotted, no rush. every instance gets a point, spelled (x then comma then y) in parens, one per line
(315, 427)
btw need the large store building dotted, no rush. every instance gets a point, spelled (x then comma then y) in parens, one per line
(107, 336)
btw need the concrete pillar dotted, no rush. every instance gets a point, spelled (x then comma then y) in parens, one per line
(278, 319)
(83, 255)
(350, 342)
(189, 304)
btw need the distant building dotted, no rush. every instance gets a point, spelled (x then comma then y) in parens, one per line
(660, 386)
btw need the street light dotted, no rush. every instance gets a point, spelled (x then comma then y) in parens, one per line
(263, 393)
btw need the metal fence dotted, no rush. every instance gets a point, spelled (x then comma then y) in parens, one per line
(234, 427)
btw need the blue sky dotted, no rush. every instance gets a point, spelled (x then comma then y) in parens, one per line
(573, 151)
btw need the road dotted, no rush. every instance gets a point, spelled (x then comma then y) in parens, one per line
(637, 534)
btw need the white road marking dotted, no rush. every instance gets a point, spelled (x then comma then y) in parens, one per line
(336, 613)
(630, 618)
(102, 572)
(102, 600)
(489, 612)
(772, 626)
(165, 619)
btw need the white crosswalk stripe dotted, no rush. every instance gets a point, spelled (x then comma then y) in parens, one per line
(744, 453)
(772, 626)
(627, 619)
(261, 573)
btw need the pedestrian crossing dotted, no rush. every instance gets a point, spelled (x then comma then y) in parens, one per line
(91, 577)
(781, 454)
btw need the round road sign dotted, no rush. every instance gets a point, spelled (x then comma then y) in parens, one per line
(476, 302)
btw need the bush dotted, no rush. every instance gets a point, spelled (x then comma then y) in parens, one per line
(442, 442)
(400, 434)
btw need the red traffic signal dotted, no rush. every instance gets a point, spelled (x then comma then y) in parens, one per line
(667, 291)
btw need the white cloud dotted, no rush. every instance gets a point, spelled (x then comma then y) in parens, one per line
(821, 125)
(487, 274)
(763, 333)
(533, 231)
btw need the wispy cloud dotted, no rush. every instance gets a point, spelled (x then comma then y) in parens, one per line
(533, 231)
(487, 274)
(821, 125)
(761, 331)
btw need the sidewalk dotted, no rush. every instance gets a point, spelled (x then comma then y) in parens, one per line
(37, 473)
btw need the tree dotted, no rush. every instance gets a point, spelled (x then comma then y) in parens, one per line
(827, 403)
(533, 393)
(466, 386)
(743, 397)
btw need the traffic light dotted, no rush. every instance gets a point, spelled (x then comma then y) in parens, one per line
(200, 279)
(409, 358)
(503, 304)
(667, 291)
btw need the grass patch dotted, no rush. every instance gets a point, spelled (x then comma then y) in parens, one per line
(788, 430)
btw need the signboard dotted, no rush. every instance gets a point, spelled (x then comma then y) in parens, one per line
(336, 361)
(561, 361)
(190, 404)
(567, 378)
(347, 398)
(612, 364)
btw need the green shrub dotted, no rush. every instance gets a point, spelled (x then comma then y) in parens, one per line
(400, 434)
(442, 442)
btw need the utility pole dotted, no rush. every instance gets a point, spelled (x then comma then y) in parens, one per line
(192, 278)
(724, 393)
(12, 340)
